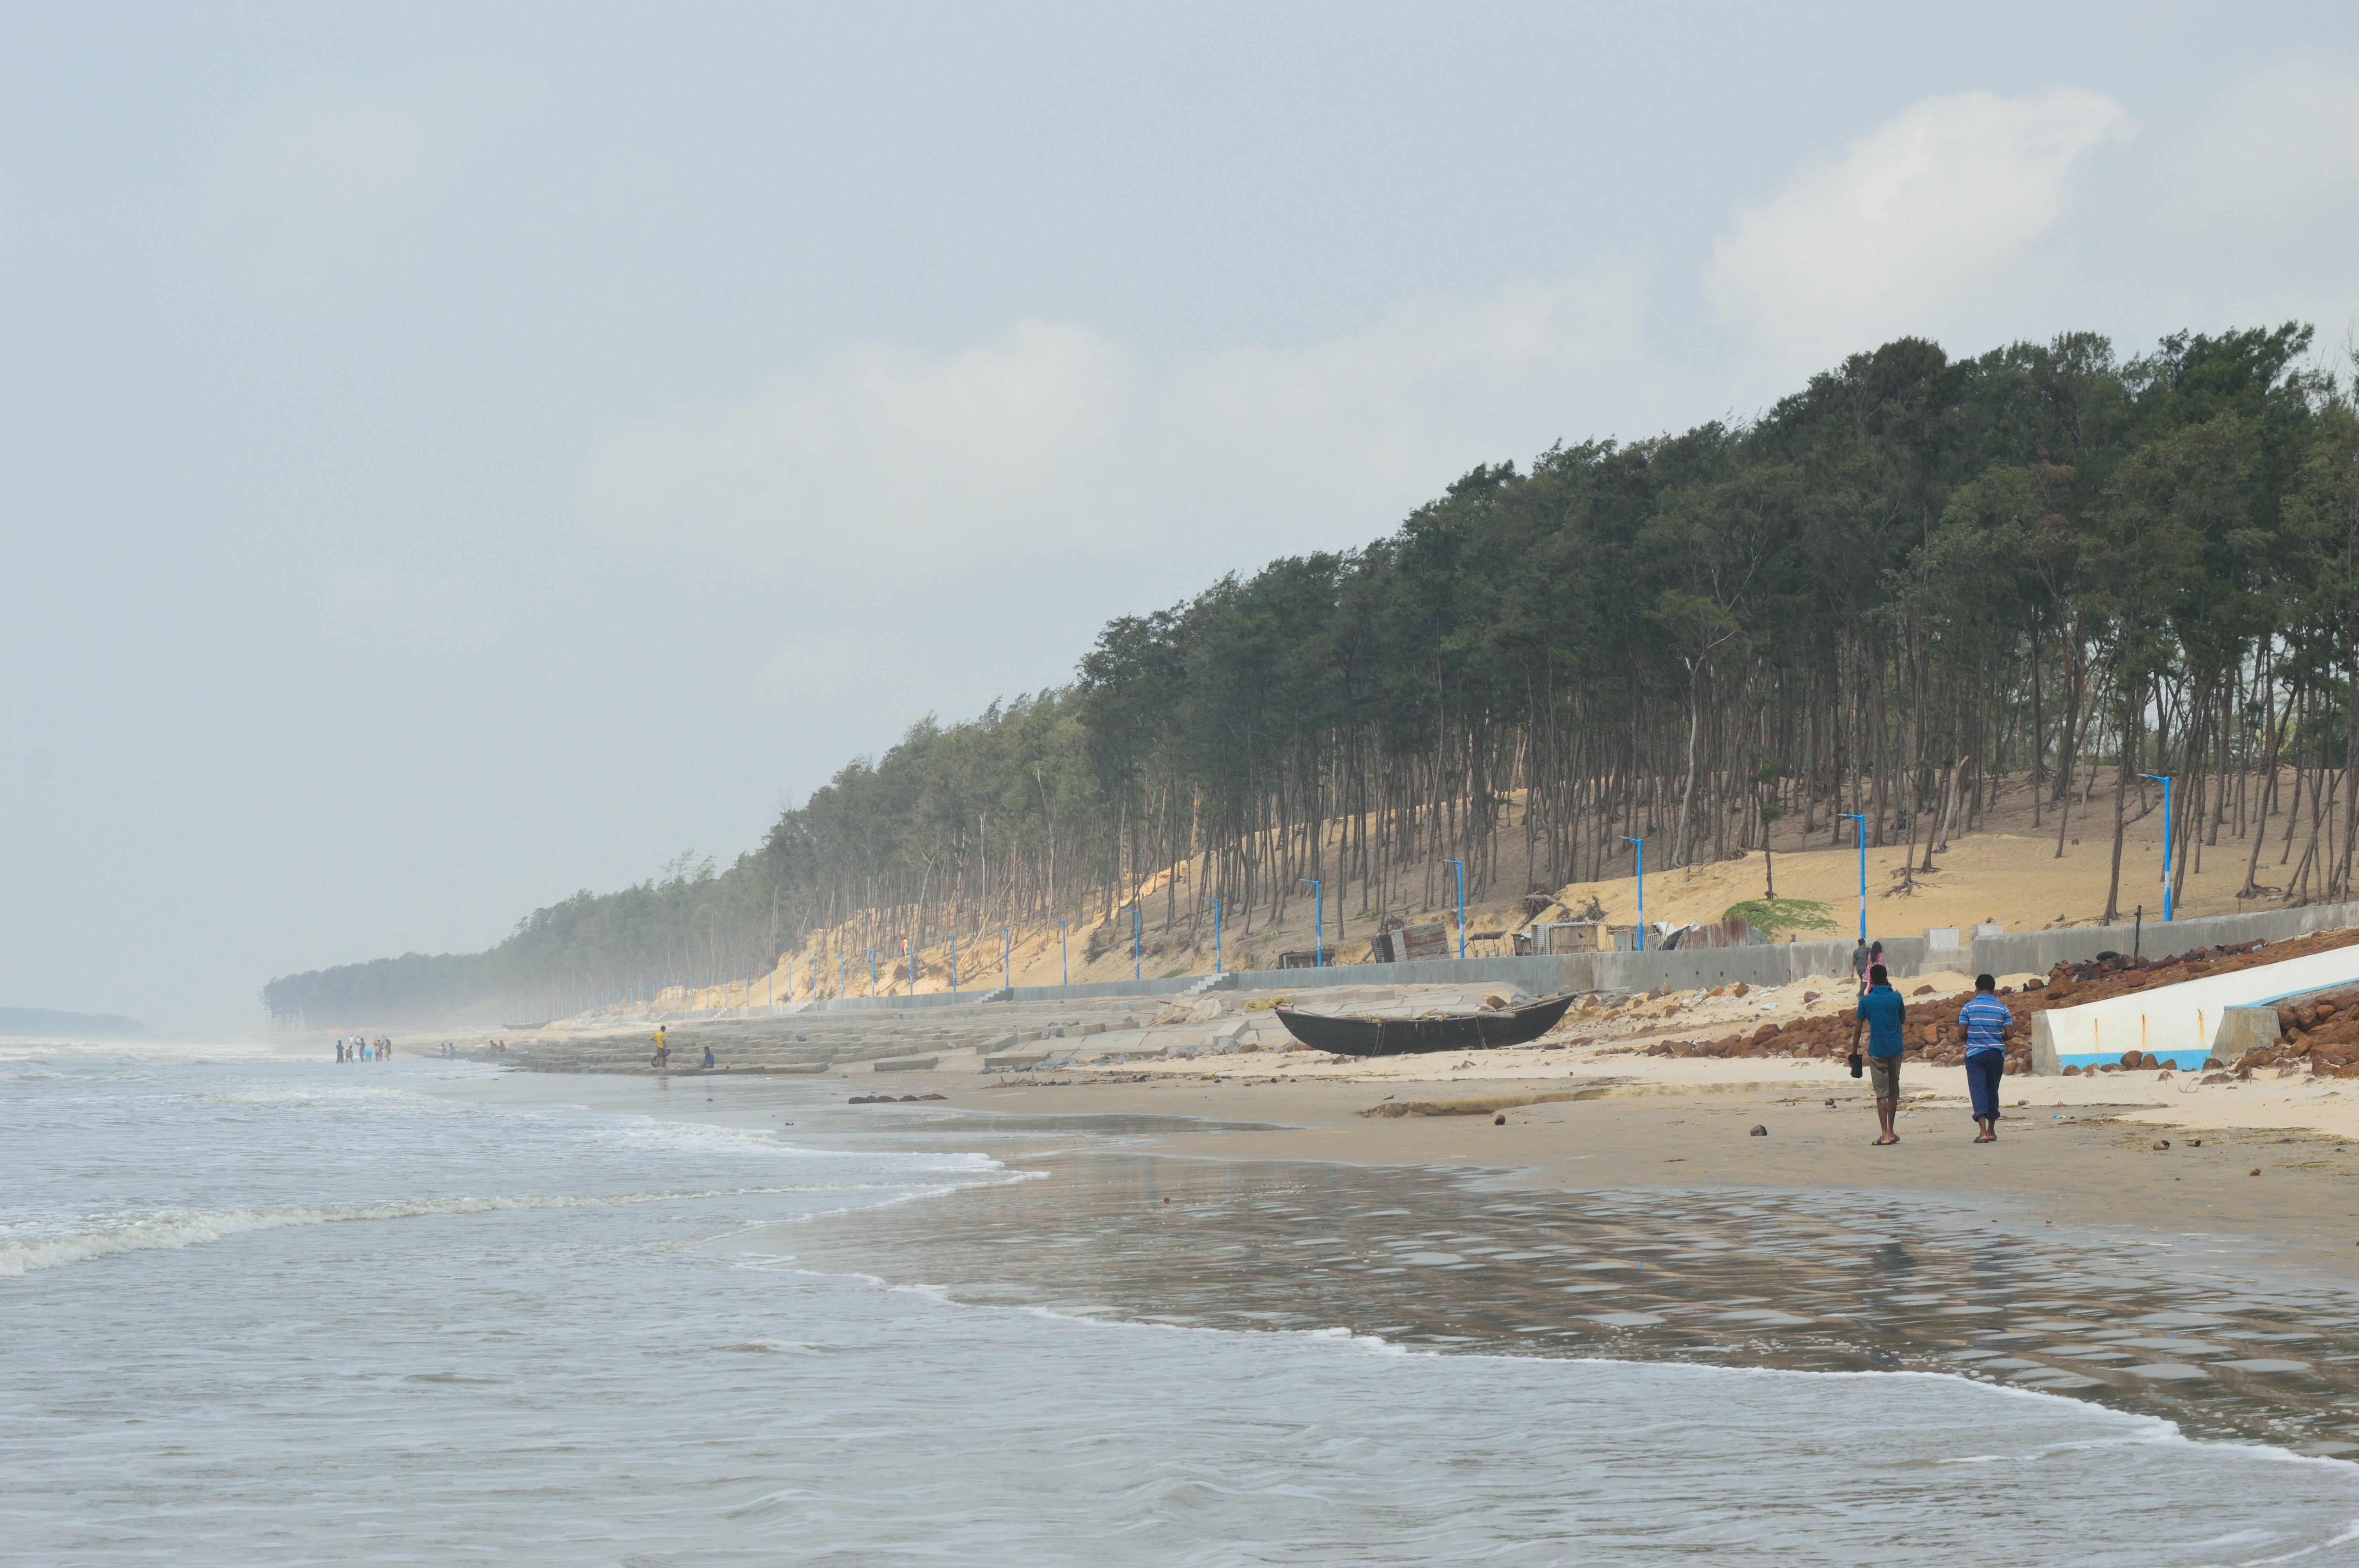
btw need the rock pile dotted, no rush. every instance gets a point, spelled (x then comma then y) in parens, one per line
(2322, 1030)
(1932, 1031)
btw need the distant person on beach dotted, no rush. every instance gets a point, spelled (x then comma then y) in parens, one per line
(1985, 1020)
(1885, 1017)
(663, 1049)
(1874, 959)
(1861, 958)
(708, 1057)
(340, 1050)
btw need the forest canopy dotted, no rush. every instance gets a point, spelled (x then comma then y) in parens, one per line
(1907, 583)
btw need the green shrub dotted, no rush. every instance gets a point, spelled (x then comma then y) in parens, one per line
(1777, 916)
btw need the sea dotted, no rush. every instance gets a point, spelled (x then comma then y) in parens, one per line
(261, 1308)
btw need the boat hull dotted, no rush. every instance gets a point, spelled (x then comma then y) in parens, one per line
(1405, 1036)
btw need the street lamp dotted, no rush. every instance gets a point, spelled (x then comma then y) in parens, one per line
(1461, 904)
(1065, 952)
(871, 971)
(1133, 943)
(1861, 818)
(1641, 843)
(2164, 780)
(1009, 960)
(1216, 933)
(913, 968)
(1319, 937)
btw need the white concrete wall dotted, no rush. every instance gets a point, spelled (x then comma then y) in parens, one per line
(2183, 1023)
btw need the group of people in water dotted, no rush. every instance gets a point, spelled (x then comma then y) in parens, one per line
(379, 1048)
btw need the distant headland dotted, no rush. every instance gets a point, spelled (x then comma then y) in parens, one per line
(49, 1020)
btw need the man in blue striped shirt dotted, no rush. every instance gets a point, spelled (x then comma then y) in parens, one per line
(1985, 1020)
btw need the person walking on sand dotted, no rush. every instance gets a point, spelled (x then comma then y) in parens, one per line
(1887, 1018)
(1985, 1020)
(663, 1050)
(708, 1058)
(1860, 960)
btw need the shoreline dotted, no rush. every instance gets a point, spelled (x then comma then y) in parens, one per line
(1454, 1242)
(1646, 1229)
(2188, 1232)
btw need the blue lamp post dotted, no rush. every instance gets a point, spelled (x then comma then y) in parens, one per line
(871, 971)
(1216, 933)
(1065, 951)
(911, 943)
(1133, 943)
(1009, 961)
(2164, 780)
(1641, 846)
(1861, 818)
(1461, 904)
(1319, 937)
(913, 968)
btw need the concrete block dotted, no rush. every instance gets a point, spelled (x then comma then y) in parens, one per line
(1008, 1059)
(1941, 939)
(2044, 1063)
(907, 1065)
(2244, 1029)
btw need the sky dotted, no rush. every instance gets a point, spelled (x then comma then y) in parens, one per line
(455, 455)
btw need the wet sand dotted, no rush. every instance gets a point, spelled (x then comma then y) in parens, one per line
(2070, 1257)
(2073, 1161)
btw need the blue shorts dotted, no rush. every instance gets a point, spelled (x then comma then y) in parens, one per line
(1983, 1070)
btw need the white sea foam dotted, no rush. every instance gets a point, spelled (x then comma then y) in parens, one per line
(105, 1235)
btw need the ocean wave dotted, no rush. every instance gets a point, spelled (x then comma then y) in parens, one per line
(105, 1235)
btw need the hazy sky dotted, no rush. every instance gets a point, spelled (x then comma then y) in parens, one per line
(456, 455)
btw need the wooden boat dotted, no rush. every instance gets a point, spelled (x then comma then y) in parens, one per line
(1400, 1036)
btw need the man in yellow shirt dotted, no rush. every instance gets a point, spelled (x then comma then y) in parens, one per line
(663, 1050)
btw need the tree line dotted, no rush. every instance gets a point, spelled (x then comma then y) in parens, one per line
(1914, 583)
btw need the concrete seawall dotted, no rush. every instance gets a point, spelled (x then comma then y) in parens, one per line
(1773, 964)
